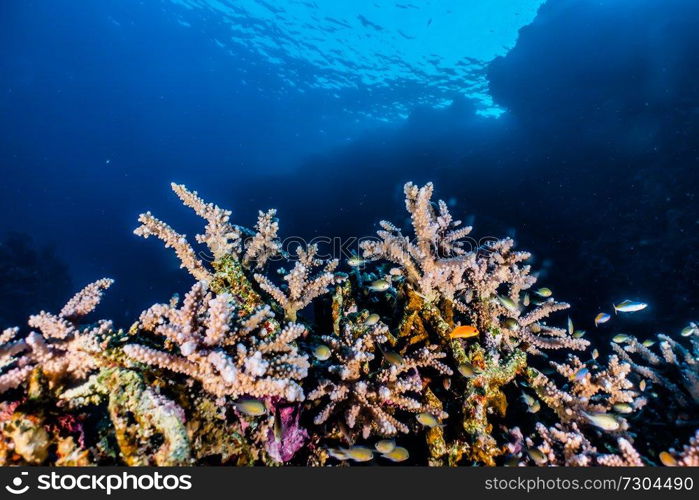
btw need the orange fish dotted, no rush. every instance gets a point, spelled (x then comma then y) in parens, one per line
(464, 332)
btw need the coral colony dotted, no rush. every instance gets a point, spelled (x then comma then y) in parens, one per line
(428, 352)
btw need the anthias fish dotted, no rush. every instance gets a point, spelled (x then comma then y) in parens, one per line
(667, 460)
(467, 370)
(356, 261)
(604, 421)
(372, 319)
(464, 332)
(399, 454)
(393, 358)
(507, 303)
(427, 419)
(321, 352)
(602, 318)
(620, 338)
(385, 446)
(379, 286)
(580, 375)
(623, 408)
(251, 407)
(629, 306)
(359, 453)
(689, 330)
(511, 324)
(537, 456)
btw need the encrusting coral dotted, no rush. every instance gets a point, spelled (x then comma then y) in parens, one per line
(432, 341)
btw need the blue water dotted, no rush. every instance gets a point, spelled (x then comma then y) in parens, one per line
(571, 125)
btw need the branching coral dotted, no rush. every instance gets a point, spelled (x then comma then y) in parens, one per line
(229, 355)
(60, 347)
(675, 368)
(593, 391)
(436, 340)
(301, 286)
(368, 385)
(223, 239)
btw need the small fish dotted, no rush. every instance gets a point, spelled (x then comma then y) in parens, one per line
(511, 461)
(511, 324)
(642, 385)
(623, 408)
(251, 407)
(337, 453)
(427, 419)
(544, 292)
(525, 302)
(399, 454)
(537, 456)
(385, 446)
(648, 343)
(689, 330)
(604, 421)
(322, 352)
(533, 405)
(602, 318)
(571, 329)
(393, 358)
(507, 303)
(380, 285)
(630, 306)
(395, 271)
(372, 319)
(578, 334)
(595, 354)
(667, 460)
(446, 383)
(464, 332)
(580, 375)
(620, 338)
(359, 453)
(356, 261)
(278, 427)
(467, 370)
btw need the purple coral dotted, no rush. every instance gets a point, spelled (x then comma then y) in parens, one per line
(283, 446)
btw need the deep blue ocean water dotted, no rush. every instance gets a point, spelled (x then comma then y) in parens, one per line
(571, 125)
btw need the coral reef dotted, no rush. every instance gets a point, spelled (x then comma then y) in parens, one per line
(431, 341)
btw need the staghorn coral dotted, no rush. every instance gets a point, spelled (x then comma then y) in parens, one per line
(301, 286)
(174, 390)
(593, 390)
(60, 347)
(568, 446)
(223, 239)
(445, 283)
(675, 368)
(359, 384)
(229, 355)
